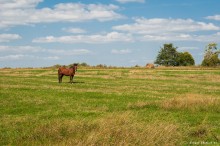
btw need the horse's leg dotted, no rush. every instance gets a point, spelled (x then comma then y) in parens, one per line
(61, 76)
(71, 79)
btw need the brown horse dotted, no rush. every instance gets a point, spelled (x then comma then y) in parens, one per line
(67, 72)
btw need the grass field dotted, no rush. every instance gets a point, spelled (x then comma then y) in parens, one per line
(120, 106)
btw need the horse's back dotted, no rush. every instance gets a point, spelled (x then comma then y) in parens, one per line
(65, 71)
(61, 69)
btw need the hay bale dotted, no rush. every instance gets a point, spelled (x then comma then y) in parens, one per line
(150, 65)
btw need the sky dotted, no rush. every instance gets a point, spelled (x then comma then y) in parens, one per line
(42, 33)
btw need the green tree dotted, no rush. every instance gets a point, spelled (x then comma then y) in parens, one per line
(185, 59)
(167, 55)
(211, 55)
(84, 64)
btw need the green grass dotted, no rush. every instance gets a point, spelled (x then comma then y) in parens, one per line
(121, 106)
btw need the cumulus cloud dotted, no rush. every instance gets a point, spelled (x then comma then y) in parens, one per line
(96, 39)
(21, 49)
(9, 37)
(122, 51)
(70, 52)
(160, 25)
(215, 17)
(167, 37)
(12, 53)
(18, 57)
(51, 58)
(19, 4)
(208, 38)
(14, 12)
(160, 29)
(181, 37)
(36, 49)
(12, 57)
(128, 1)
(74, 30)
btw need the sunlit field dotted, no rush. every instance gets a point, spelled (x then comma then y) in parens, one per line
(110, 106)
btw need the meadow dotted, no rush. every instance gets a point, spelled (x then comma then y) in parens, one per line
(110, 106)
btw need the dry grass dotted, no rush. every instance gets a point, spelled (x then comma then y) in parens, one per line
(124, 130)
(191, 102)
(115, 129)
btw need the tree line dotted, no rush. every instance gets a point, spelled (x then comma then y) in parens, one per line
(169, 56)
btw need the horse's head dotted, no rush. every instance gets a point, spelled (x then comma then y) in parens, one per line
(75, 66)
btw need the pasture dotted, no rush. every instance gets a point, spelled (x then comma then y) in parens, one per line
(119, 106)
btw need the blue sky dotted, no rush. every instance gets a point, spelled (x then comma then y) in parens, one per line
(39, 33)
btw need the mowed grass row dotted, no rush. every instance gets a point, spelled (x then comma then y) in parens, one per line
(121, 106)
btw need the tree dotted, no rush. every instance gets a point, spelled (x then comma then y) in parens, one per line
(84, 64)
(211, 55)
(185, 59)
(167, 55)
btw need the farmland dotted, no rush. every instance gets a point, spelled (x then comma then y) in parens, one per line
(110, 106)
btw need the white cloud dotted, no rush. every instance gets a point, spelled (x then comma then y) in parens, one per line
(123, 51)
(12, 57)
(215, 17)
(181, 37)
(128, 1)
(160, 25)
(9, 37)
(24, 12)
(93, 39)
(52, 58)
(159, 29)
(21, 4)
(13, 53)
(35, 49)
(70, 52)
(167, 37)
(21, 49)
(17, 57)
(208, 38)
(74, 30)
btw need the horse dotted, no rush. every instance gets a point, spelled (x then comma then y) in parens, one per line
(67, 72)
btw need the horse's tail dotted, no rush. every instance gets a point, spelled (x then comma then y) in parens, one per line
(59, 75)
(58, 71)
